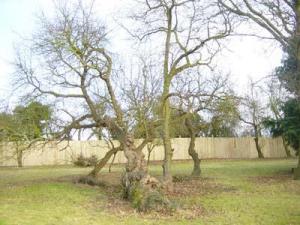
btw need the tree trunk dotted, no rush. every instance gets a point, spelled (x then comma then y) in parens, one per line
(148, 157)
(103, 161)
(297, 170)
(137, 183)
(286, 148)
(112, 162)
(20, 158)
(297, 47)
(165, 103)
(168, 151)
(136, 168)
(196, 170)
(258, 148)
(256, 139)
(149, 151)
(299, 158)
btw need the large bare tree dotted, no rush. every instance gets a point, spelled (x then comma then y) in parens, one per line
(280, 18)
(68, 63)
(189, 34)
(275, 19)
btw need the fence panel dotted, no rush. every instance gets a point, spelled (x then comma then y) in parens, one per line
(207, 148)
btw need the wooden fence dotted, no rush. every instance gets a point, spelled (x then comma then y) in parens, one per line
(207, 148)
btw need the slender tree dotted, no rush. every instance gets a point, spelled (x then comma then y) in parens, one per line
(253, 113)
(276, 98)
(190, 31)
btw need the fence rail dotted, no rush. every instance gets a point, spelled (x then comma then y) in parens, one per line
(65, 152)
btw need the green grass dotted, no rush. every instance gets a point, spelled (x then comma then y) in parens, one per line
(236, 192)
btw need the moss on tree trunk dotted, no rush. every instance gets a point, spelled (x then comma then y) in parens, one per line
(141, 189)
(168, 151)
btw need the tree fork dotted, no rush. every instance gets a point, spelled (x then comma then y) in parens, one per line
(99, 166)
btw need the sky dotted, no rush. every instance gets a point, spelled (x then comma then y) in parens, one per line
(248, 57)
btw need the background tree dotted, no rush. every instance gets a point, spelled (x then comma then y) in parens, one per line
(253, 113)
(225, 117)
(288, 126)
(194, 98)
(282, 23)
(277, 96)
(24, 126)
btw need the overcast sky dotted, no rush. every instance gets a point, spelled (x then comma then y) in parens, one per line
(248, 57)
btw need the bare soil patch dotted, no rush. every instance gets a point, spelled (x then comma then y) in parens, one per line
(184, 186)
(191, 186)
(285, 181)
(272, 179)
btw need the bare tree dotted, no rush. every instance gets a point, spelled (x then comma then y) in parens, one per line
(276, 98)
(254, 112)
(281, 21)
(196, 96)
(280, 18)
(69, 64)
(190, 32)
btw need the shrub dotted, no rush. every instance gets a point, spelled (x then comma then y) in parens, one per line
(82, 161)
(150, 200)
(90, 180)
(92, 161)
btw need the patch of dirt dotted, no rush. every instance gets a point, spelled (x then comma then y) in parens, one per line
(284, 181)
(121, 208)
(274, 179)
(189, 186)
(184, 186)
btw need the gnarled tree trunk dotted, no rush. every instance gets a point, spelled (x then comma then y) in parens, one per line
(136, 168)
(196, 170)
(137, 183)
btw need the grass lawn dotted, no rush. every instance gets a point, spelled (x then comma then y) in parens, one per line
(229, 192)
